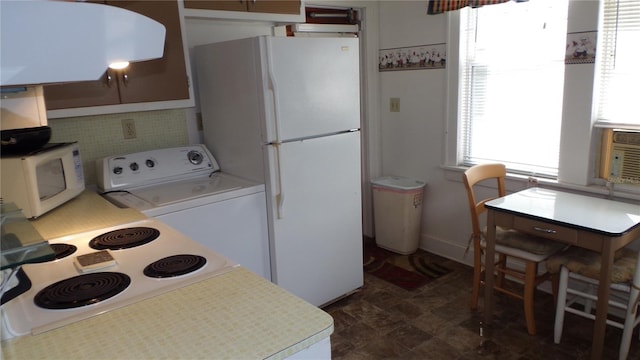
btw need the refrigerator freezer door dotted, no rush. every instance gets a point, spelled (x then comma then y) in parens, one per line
(316, 229)
(312, 86)
(230, 98)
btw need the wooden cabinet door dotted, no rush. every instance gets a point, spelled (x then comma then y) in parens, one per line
(103, 91)
(275, 6)
(261, 6)
(225, 5)
(160, 79)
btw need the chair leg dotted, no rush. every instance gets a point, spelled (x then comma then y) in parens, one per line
(560, 304)
(555, 280)
(477, 278)
(629, 322)
(529, 292)
(588, 303)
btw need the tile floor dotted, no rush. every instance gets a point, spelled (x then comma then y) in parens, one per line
(383, 321)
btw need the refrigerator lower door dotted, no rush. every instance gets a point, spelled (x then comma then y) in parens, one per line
(315, 214)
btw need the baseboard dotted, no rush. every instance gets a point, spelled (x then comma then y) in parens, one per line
(455, 252)
(446, 249)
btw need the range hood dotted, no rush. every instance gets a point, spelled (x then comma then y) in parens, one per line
(54, 41)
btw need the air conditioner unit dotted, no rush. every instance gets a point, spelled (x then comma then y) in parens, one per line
(624, 157)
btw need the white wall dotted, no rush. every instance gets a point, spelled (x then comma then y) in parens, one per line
(578, 114)
(413, 139)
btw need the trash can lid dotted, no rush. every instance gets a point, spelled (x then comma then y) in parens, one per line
(398, 182)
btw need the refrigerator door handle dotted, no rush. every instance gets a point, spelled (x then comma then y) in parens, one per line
(274, 89)
(279, 185)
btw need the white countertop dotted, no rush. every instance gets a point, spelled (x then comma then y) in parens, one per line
(612, 218)
(89, 211)
(237, 315)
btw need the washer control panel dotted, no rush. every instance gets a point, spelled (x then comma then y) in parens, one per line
(154, 166)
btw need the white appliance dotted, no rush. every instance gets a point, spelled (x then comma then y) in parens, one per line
(286, 112)
(184, 188)
(42, 180)
(143, 259)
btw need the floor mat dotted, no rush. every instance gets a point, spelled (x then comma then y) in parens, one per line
(406, 271)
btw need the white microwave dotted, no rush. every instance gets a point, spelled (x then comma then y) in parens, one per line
(43, 179)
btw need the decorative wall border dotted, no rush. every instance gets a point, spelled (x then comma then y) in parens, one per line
(421, 57)
(581, 47)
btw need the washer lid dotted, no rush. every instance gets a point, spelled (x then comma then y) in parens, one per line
(170, 193)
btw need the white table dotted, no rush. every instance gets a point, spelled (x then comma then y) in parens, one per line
(589, 222)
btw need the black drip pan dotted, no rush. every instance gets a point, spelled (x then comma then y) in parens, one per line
(24, 141)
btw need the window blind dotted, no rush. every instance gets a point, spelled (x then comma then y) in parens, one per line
(512, 82)
(619, 70)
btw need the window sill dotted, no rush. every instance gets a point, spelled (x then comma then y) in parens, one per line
(515, 182)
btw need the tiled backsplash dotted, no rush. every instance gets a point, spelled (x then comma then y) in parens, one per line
(102, 135)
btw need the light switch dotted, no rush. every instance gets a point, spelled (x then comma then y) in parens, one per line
(394, 105)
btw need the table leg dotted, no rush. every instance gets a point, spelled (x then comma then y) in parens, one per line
(603, 299)
(489, 262)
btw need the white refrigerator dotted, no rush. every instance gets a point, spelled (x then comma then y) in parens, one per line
(285, 111)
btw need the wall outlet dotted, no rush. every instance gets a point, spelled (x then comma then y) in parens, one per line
(128, 128)
(394, 105)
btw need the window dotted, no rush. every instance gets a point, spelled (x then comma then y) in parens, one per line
(511, 85)
(619, 76)
(619, 70)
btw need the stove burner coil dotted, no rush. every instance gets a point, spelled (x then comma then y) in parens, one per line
(63, 250)
(124, 238)
(60, 251)
(175, 265)
(82, 290)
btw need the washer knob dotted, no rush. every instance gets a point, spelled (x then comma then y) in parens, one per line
(150, 163)
(195, 157)
(134, 166)
(117, 170)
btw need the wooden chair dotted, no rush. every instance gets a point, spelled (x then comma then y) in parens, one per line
(582, 267)
(510, 244)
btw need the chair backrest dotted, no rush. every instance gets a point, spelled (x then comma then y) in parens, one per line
(474, 175)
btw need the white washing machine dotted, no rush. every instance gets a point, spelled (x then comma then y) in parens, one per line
(184, 188)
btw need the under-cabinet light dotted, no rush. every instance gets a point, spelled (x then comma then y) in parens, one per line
(119, 65)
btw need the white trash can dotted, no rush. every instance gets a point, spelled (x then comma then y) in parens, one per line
(397, 210)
